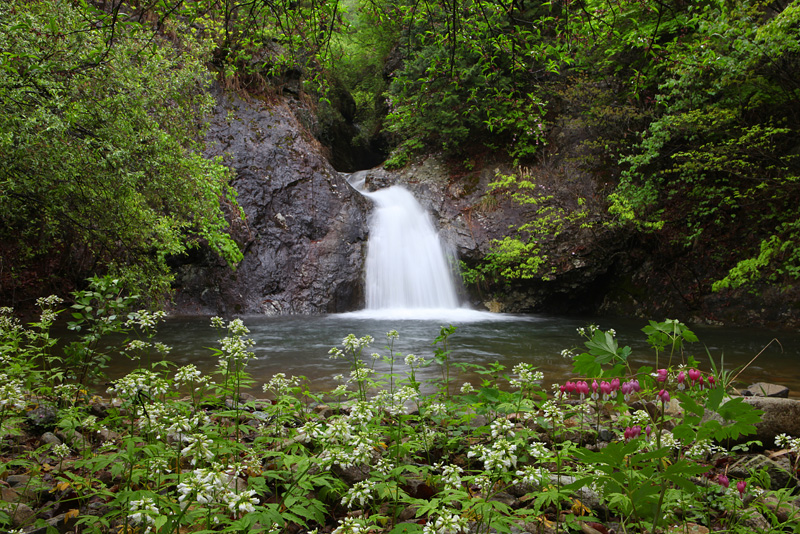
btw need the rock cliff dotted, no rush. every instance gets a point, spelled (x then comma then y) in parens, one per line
(305, 229)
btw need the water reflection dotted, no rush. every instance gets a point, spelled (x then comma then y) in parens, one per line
(299, 345)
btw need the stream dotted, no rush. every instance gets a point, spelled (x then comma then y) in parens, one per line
(299, 345)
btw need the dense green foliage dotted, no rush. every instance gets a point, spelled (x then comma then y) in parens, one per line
(720, 156)
(102, 169)
(685, 110)
(690, 107)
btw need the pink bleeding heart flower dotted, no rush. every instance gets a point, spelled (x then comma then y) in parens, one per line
(661, 375)
(694, 375)
(663, 396)
(632, 432)
(681, 380)
(741, 486)
(723, 481)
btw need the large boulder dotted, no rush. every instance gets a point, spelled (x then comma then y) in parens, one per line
(305, 231)
(781, 416)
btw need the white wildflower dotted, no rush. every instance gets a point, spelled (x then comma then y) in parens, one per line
(437, 408)
(243, 502)
(360, 491)
(198, 448)
(143, 513)
(502, 428)
(61, 450)
(446, 523)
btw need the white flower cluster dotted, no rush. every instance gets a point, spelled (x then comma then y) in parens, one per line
(234, 347)
(788, 442)
(436, 408)
(502, 428)
(362, 373)
(528, 376)
(360, 414)
(48, 315)
(161, 420)
(139, 381)
(446, 523)
(537, 449)
(667, 439)
(467, 388)
(213, 486)
(414, 361)
(355, 344)
(396, 403)
(9, 326)
(198, 448)
(143, 513)
(384, 466)
(344, 445)
(591, 329)
(552, 412)
(534, 476)
(702, 448)
(280, 385)
(500, 455)
(49, 301)
(234, 350)
(641, 418)
(451, 476)
(350, 525)
(190, 374)
(360, 491)
(61, 450)
(11, 393)
(145, 319)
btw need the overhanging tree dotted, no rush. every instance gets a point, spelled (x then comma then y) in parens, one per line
(100, 121)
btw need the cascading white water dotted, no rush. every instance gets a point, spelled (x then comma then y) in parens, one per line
(407, 273)
(406, 267)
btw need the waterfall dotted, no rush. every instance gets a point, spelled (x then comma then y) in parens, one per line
(406, 267)
(407, 272)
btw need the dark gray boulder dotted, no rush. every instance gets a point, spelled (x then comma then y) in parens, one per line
(305, 231)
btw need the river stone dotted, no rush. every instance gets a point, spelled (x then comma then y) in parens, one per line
(783, 510)
(781, 416)
(48, 438)
(305, 234)
(20, 513)
(765, 389)
(43, 417)
(753, 520)
(8, 494)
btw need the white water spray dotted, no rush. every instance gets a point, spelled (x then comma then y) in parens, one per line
(407, 272)
(406, 265)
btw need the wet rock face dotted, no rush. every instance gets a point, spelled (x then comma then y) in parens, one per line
(305, 231)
